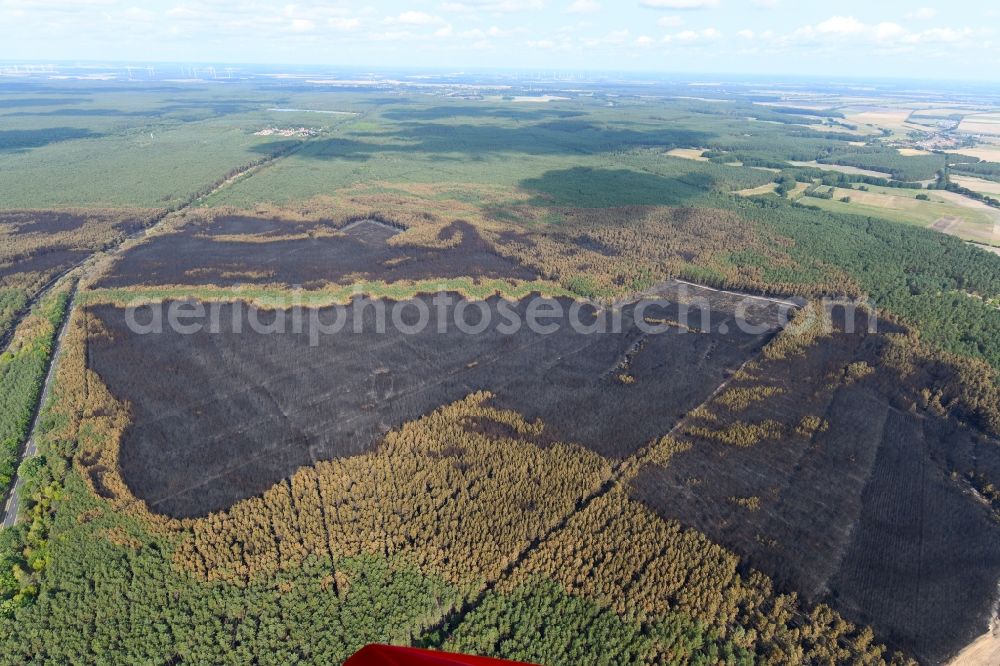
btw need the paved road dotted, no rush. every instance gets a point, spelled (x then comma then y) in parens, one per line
(11, 507)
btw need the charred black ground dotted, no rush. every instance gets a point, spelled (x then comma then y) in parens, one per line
(45, 242)
(221, 417)
(872, 515)
(206, 254)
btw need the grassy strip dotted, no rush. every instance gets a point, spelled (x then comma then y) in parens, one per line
(22, 375)
(12, 301)
(279, 296)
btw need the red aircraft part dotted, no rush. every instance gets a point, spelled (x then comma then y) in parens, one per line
(387, 655)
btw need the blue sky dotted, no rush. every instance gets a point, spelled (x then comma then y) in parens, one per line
(843, 38)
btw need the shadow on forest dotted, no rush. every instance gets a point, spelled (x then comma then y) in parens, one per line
(599, 188)
(19, 102)
(443, 112)
(19, 140)
(556, 137)
(83, 113)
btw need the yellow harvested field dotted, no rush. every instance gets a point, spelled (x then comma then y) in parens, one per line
(981, 123)
(888, 118)
(688, 154)
(840, 168)
(947, 212)
(882, 200)
(796, 105)
(910, 152)
(941, 112)
(753, 191)
(979, 127)
(988, 152)
(980, 185)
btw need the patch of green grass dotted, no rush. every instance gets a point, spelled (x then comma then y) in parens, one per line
(285, 298)
(901, 205)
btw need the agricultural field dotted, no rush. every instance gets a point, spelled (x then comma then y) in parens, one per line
(978, 184)
(946, 212)
(878, 118)
(695, 154)
(985, 123)
(841, 168)
(729, 489)
(989, 152)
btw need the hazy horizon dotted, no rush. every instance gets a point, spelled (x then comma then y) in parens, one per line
(892, 40)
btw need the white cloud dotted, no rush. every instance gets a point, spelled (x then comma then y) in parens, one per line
(841, 25)
(850, 28)
(182, 12)
(480, 37)
(680, 4)
(174, 27)
(492, 6)
(559, 44)
(888, 32)
(342, 23)
(693, 36)
(583, 7)
(415, 18)
(68, 6)
(923, 13)
(613, 37)
(391, 36)
(939, 36)
(837, 31)
(302, 25)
